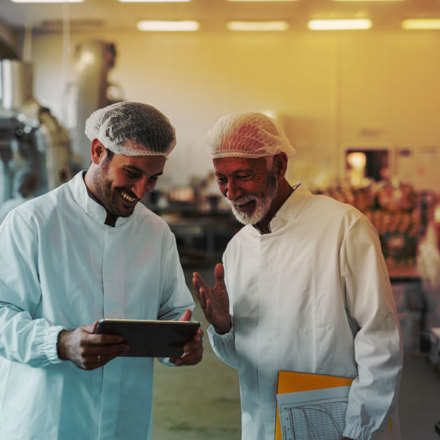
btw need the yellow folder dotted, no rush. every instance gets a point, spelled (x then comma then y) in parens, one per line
(291, 382)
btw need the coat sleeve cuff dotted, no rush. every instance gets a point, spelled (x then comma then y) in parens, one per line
(50, 344)
(357, 432)
(225, 337)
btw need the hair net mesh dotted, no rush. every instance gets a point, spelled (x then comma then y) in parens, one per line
(132, 129)
(247, 135)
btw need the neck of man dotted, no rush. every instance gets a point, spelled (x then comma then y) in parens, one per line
(283, 193)
(110, 219)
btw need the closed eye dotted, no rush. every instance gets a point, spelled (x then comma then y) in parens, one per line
(132, 174)
(243, 176)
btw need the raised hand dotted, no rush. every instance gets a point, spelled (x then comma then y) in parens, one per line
(214, 301)
(88, 350)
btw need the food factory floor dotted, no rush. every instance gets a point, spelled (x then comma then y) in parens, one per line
(203, 403)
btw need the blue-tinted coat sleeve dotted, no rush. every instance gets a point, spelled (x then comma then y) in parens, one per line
(176, 298)
(24, 337)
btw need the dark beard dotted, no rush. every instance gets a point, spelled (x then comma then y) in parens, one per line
(103, 189)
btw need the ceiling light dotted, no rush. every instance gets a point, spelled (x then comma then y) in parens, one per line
(168, 26)
(257, 25)
(154, 1)
(47, 1)
(421, 23)
(365, 1)
(262, 1)
(339, 25)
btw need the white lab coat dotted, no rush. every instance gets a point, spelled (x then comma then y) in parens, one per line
(10, 204)
(62, 267)
(312, 296)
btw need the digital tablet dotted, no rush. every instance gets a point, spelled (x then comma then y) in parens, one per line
(151, 338)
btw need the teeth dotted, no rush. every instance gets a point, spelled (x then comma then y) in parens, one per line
(127, 197)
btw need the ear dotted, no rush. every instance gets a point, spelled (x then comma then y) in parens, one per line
(280, 164)
(98, 151)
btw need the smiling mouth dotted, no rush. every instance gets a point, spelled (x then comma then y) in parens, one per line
(128, 198)
(244, 206)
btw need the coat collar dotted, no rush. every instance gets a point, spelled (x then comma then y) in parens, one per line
(91, 207)
(288, 211)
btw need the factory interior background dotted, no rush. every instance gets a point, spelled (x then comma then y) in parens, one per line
(361, 107)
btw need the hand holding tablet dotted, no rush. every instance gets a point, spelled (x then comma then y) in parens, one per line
(148, 338)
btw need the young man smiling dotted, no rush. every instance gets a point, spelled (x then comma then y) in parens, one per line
(85, 251)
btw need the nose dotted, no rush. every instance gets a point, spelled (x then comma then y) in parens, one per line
(140, 188)
(232, 190)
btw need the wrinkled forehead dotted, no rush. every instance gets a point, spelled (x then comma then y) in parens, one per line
(231, 165)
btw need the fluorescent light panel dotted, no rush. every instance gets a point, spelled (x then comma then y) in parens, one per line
(421, 23)
(339, 25)
(154, 1)
(368, 1)
(47, 1)
(257, 25)
(168, 26)
(267, 1)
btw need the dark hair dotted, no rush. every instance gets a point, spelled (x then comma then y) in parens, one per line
(110, 155)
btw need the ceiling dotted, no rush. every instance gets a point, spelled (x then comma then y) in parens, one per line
(212, 14)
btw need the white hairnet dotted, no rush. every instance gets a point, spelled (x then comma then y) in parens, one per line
(132, 129)
(247, 135)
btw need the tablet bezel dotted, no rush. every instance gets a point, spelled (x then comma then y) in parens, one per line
(150, 338)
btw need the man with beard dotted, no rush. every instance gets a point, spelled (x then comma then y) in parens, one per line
(303, 287)
(85, 251)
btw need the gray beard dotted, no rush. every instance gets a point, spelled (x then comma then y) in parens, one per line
(262, 205)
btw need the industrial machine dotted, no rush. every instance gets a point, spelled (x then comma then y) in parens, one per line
(31, 138)
(92, 61)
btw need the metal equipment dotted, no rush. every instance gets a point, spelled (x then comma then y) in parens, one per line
(31, 138)
(93, 60)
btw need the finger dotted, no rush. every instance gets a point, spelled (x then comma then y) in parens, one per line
(195, 281)
(202, 298)
(186, 315)
(101, 360)
(190, 359)
(219, 274)
(89, 328)
(191, 346)
(102, 339)
(95, 324)
(196, 342)
(195, 345)
(96, 361)
(106, 350)
(200, 280)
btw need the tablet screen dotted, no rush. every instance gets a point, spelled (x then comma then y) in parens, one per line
(151, 338)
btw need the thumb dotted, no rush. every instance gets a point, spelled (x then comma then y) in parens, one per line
(219, 274)
(90, 328)
(186, 315)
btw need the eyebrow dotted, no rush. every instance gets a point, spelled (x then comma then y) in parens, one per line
(241, 170)
(135, 168)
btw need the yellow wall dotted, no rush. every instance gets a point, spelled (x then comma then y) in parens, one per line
(331, 91)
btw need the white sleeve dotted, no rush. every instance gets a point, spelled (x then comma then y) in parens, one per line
(377, 342)
(224, 346)
(176, 297)
(23, 338)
